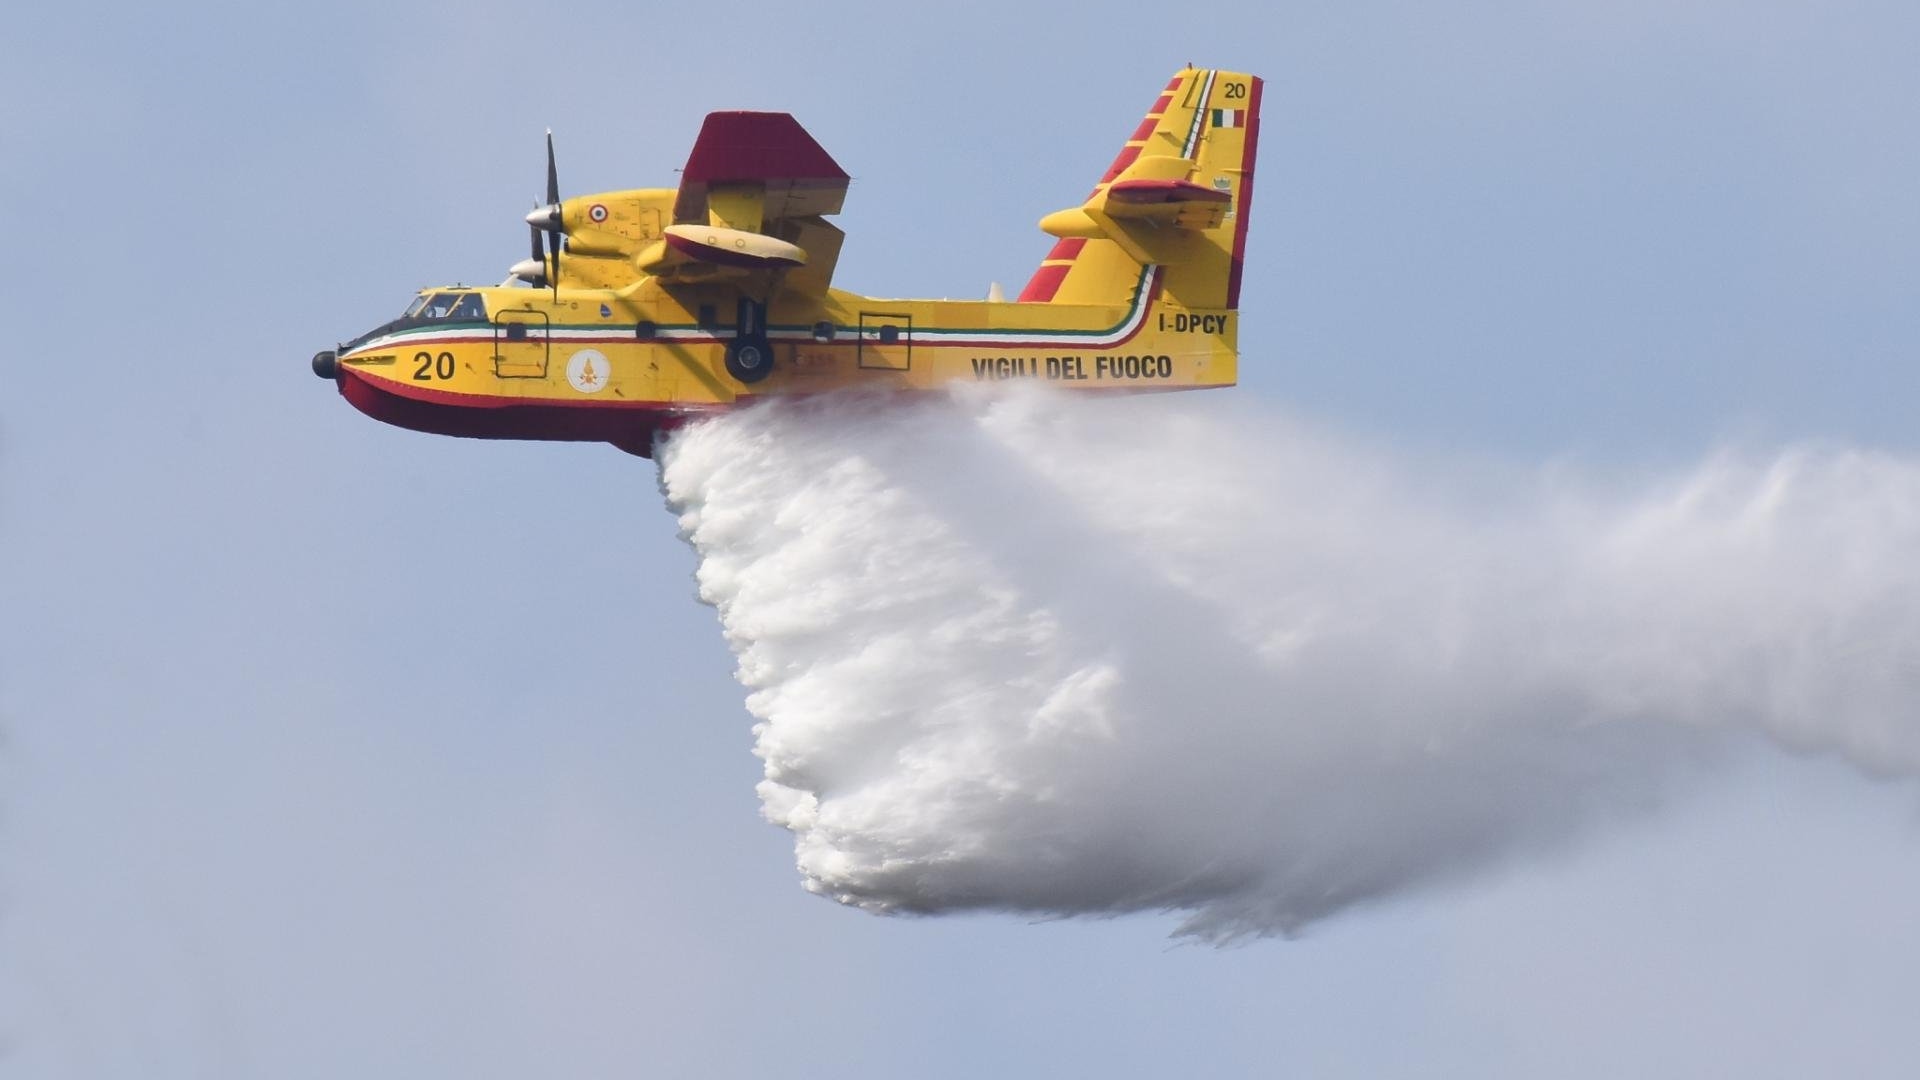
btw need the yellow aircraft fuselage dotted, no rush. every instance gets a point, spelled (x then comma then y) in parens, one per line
(652, 322)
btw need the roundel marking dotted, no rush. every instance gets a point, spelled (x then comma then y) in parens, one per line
(587, 370)
(597, 212)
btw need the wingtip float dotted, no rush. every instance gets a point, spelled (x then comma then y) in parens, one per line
(638, 309)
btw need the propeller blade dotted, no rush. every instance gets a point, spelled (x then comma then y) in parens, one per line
(553, 275)
(553, 175)
(553, 200)
(546, 215)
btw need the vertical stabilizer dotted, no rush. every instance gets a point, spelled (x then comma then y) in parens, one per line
(1178, 196)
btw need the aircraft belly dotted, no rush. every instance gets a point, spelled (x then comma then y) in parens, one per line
(487, 416)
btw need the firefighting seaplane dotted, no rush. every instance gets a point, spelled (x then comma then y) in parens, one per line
(637, 310)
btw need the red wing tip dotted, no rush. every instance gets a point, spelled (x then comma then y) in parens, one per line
(740, 145)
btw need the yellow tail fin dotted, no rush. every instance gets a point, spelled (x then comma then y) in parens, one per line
(1178, 195)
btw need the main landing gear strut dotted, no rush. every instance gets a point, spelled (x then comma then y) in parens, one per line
(750, 355)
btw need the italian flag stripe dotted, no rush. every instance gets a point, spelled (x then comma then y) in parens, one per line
(1229, 118)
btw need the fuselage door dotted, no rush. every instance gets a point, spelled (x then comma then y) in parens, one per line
(520, 344)
(886, 341)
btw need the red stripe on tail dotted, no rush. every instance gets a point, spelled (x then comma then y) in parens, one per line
(1120, 163)
(1046, 280)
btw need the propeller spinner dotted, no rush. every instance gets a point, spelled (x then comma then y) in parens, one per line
(532, 270)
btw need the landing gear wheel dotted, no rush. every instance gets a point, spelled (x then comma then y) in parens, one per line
(750, 359)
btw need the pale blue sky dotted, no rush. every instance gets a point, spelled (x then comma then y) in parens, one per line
(335, 749)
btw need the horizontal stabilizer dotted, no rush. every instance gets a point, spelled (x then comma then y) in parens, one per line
(1153, 190)
(1162, 192)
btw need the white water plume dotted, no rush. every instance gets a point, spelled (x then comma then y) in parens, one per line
(1063, 656)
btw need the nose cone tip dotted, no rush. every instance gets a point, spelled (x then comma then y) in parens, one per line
(544, 217)
(326, 364)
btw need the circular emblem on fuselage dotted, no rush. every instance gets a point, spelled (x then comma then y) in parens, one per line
(597, 212)
(588, 370)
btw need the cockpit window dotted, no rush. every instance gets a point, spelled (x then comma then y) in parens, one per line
(446, 305)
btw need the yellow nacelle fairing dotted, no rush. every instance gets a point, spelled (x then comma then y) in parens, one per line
(616, 223)
(597, 271)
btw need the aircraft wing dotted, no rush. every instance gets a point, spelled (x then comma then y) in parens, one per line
(754, 166)
(753, 198)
